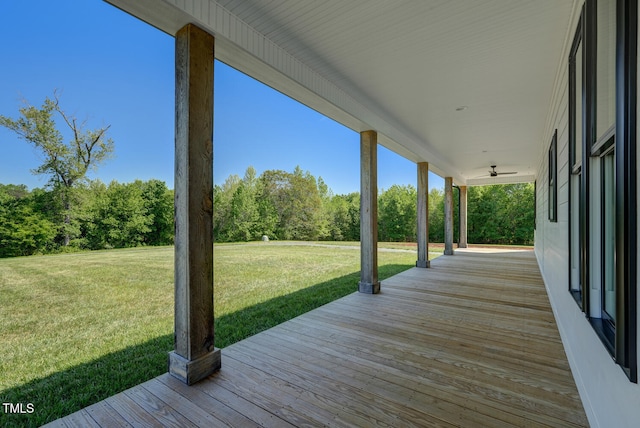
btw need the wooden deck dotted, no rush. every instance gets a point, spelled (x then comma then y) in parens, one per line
(471, 342)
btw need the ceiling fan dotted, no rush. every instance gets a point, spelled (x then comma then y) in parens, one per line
(494, 173)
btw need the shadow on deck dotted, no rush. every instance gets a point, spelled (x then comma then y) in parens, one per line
(470, 342)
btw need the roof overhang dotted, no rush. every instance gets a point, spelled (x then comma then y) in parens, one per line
(457, 83)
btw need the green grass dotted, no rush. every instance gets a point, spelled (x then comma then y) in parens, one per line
(77, 328)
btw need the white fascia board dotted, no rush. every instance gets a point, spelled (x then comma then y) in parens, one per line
(242, 47)
(163, 15)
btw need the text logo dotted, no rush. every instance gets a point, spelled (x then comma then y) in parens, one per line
(18, 408)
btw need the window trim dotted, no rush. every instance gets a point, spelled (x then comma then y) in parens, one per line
(626, 187)
(602, 144)
(553, 179)
(578, 39)
(578, 166)
(606, 150)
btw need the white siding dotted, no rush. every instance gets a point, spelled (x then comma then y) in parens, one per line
(609, 398)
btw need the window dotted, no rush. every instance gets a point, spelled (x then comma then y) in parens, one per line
(577, 230)
(605, 64)
(602, 149)
(602, 174)
(553, 178)
(626, 191)
(608, 241)
(576, 70)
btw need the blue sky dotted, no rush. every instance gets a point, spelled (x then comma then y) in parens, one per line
(112, 69)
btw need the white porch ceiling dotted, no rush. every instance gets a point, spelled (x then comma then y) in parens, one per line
(402, 68)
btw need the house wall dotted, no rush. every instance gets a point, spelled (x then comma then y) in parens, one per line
(609, 398)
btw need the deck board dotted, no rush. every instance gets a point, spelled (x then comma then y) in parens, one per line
(470, 342)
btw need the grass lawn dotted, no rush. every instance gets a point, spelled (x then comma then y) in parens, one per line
(77, 328)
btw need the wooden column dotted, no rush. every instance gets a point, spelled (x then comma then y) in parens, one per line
(369, 213)
(462, 228)
(448, 216)
(195, 356)
(423, 215)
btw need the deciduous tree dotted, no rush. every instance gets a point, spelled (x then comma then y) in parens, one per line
(24, 229)
(158, 203)
(397, 213)
(66, 164)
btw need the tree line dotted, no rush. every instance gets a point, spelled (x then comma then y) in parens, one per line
(74, 212)
(281, 205)
(99, 216)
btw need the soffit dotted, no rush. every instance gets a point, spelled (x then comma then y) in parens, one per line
(412, 63)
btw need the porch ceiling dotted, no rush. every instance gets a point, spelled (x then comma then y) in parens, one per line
(402, 68)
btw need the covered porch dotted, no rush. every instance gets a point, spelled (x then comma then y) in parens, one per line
(470, 342)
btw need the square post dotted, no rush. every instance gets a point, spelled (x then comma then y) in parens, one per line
(462, 242)
(195, 356)
(369, 213)
(448, 216)
(423, 215)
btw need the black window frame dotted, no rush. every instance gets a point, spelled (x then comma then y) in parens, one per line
(553, 178)
(622, 341)
(626, 187)
(578, 166)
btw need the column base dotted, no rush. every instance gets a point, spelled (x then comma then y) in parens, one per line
(448, 252)
(368, 288)
(193, 371)
(423, 263)
(462, 245)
